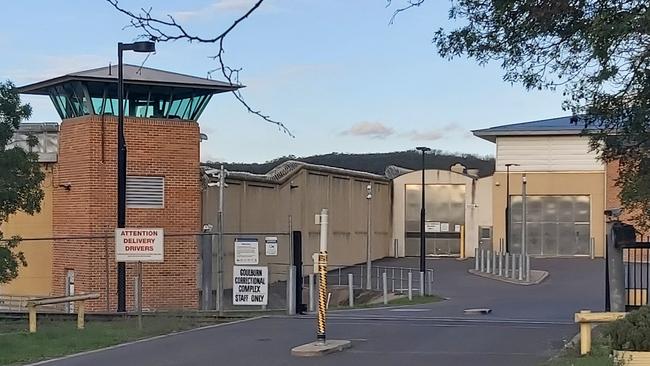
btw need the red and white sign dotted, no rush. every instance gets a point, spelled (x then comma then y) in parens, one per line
(139, 245)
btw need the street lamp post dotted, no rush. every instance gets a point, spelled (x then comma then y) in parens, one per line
(507, 236)
(145, 46)
(422, 214)
(368, 248)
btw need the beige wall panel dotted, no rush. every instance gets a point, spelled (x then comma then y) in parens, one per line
(36, 278)
(546, 153)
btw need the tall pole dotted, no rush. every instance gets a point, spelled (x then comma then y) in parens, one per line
(524, 247)
(222, 184)
(322, 278)
(422, 215)
(121, 178)
(368, 249)
(507, 236)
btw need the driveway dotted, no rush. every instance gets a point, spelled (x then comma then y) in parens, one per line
(527, 325)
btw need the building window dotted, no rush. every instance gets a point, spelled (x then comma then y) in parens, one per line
(145, 192)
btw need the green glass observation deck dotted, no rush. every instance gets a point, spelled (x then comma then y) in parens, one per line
(148, 93)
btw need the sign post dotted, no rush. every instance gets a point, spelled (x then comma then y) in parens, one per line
(139, 245)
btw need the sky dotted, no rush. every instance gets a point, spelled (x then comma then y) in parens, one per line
(334, 72)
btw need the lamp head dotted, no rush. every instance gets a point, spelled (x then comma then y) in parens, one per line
(423, 149)
(143, 46)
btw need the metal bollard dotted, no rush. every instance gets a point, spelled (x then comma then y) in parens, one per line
(527, 268)
(494, 262)
(507, 260)
(311, 292)
(487, 260)
(410, 283)
(377, 276)
(514, 267)
(482, 260)
(392, 280)
(351, 289)
(476, 259)
(385, 280)
(361, 276)
(500, 264)
(521, 267)
(421, 284)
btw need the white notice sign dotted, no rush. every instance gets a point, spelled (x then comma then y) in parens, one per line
(250, 285)
(432, 227)
(457, 228)
(271, 245)
(444, 226)
(246, 251)
(139, 245)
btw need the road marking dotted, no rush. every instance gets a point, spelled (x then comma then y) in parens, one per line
(439, 325)
(391, 352)
(406, 310)
(142, 341)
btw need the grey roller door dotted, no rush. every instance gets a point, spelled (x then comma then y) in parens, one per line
(555, 225)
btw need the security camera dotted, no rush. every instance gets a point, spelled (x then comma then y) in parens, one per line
(66, 186)
(207, 227)
(614, 212)
(212, 171)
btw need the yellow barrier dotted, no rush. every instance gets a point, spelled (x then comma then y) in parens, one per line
(585, 318)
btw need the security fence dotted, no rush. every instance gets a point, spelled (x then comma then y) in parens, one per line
(636, 259)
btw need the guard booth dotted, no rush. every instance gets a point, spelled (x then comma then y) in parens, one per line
(163, 185)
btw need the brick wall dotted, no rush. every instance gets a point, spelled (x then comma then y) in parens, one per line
(613, 200)
(87, 161)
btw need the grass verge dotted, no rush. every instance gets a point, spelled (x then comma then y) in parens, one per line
(570, 356)
(56, 338)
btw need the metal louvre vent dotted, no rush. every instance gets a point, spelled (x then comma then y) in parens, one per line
(145, 192)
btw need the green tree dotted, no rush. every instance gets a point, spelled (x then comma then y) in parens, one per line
(597, 52)
(20, 178)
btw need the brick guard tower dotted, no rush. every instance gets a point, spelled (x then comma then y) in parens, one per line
(163, 181)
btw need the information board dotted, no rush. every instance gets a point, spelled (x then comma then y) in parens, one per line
(246, 251)
(271, 245)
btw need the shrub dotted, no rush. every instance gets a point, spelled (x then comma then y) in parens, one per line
(631, 333)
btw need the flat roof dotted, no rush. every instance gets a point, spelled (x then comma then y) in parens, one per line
(132, 75)
(567, 125)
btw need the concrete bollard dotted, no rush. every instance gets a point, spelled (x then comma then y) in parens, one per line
(521, 267)
(351, 289)
(476, 251)
(507, 260)
(311, 292)
(513, 275)
(385, 280)
(410, 284)
(494, 262)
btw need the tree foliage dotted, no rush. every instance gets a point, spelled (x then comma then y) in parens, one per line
(20, 178)
(597, 52)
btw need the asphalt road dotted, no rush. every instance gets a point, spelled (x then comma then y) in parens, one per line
(526, 327)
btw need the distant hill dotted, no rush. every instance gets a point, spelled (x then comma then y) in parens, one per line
(377, 162)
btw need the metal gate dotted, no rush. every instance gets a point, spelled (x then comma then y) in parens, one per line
(637, 274)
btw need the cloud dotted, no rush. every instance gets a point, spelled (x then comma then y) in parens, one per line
(415, 135)
(219, 6)
(375, 130)
(52, 66)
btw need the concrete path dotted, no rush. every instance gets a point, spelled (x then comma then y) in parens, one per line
(528, 324)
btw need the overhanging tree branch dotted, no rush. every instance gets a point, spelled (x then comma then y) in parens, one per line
(165, 30)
